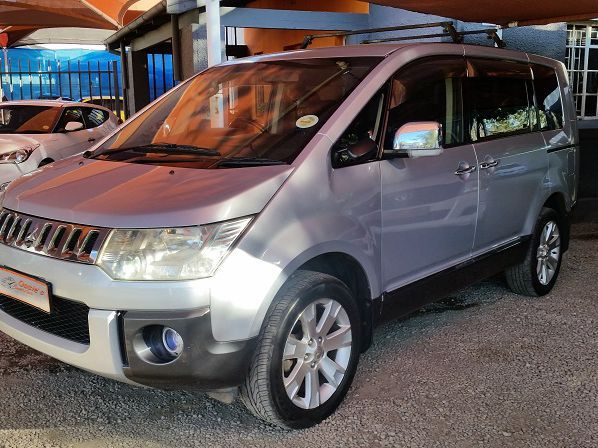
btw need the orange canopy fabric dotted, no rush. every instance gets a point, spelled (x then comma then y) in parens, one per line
(18, 18)
(502, 12)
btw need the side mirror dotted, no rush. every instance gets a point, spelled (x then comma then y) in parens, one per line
(345, 154)
(418, 139)
(362, 148)
(72, 126)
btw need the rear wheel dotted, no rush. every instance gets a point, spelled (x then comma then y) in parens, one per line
(307, 352)
(537, 274)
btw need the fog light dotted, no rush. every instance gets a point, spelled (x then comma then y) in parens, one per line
(157, 344)
(173, 342)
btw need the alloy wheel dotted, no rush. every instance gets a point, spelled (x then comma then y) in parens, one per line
(317, 353)
(548, 253)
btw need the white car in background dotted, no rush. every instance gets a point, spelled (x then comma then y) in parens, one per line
(37, 132)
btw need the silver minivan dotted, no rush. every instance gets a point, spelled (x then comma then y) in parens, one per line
(247, 231)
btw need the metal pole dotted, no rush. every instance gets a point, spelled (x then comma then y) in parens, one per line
(176, 48)
(59, 79)
(20, 78)
(100, 80)
(163, 73)
(80, 86)
(124, 71)
(30, 79)
(50, 77)
(109, 73)
(68, 67)
(585, 69)
(155, 92)
(7, 69)
(89, 80)
(116, 88)
(39, 77)
(1, 84)
(213, 29)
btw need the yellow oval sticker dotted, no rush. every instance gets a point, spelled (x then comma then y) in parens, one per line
(306, 121)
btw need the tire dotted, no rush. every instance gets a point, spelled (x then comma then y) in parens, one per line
(264, 392)
(529, 278)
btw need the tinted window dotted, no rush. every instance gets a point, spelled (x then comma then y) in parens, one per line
(20, 119)
(263, 112)
(95, 117)
(493, 68)
(548, 98)
(70, 114)
(428, 91)
(361, 135)
(497, 106)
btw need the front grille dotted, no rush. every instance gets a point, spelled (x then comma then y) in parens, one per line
(54, 239)
(67, 320)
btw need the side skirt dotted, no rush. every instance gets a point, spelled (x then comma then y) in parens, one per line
(409, 298)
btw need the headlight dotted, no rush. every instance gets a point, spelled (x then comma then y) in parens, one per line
(181, 253)
(18, 155)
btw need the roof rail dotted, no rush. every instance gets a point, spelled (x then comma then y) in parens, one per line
(448, 30)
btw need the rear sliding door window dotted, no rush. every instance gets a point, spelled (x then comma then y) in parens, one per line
(498, 99)
(548, 98)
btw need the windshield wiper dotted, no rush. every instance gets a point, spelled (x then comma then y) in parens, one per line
(162, 148)
(249, 161)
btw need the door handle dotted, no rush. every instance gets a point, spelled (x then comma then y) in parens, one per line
(91, 139)
(486, 165)
(468, 170)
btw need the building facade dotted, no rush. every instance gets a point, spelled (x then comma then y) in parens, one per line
(265, 26)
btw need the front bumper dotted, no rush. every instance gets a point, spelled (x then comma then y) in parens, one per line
(102, 355)
(204, 364)
(118, 310)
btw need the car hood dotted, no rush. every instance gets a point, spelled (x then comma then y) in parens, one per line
(10, 142)
(128, 195)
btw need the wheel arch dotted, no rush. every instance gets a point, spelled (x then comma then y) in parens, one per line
(556, 201)
(350, 271)
(45, 161)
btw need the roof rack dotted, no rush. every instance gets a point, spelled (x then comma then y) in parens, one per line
(448, 30)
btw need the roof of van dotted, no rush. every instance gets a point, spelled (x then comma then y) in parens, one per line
(373, 50)
(382, 50)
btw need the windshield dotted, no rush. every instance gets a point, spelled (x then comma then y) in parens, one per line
(23, 119)
(242, 114)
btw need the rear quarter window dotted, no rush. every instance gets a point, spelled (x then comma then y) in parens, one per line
(95, 117)
(548, 98)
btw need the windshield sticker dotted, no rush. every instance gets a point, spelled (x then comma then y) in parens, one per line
(306, 121)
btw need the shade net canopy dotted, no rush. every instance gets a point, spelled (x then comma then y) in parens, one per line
(502, 12)
(19, 18)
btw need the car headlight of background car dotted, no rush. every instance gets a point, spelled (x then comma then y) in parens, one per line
(181, 253)
(18, 155)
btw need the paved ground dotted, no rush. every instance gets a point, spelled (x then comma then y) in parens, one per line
(484, 368)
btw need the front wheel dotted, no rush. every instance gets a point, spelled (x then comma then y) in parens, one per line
(307, 352)
(537, 274)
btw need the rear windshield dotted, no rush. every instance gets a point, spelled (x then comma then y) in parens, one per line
(28, 119)
(239, 115)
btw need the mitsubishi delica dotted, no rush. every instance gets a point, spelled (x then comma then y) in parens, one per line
(244, 233)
